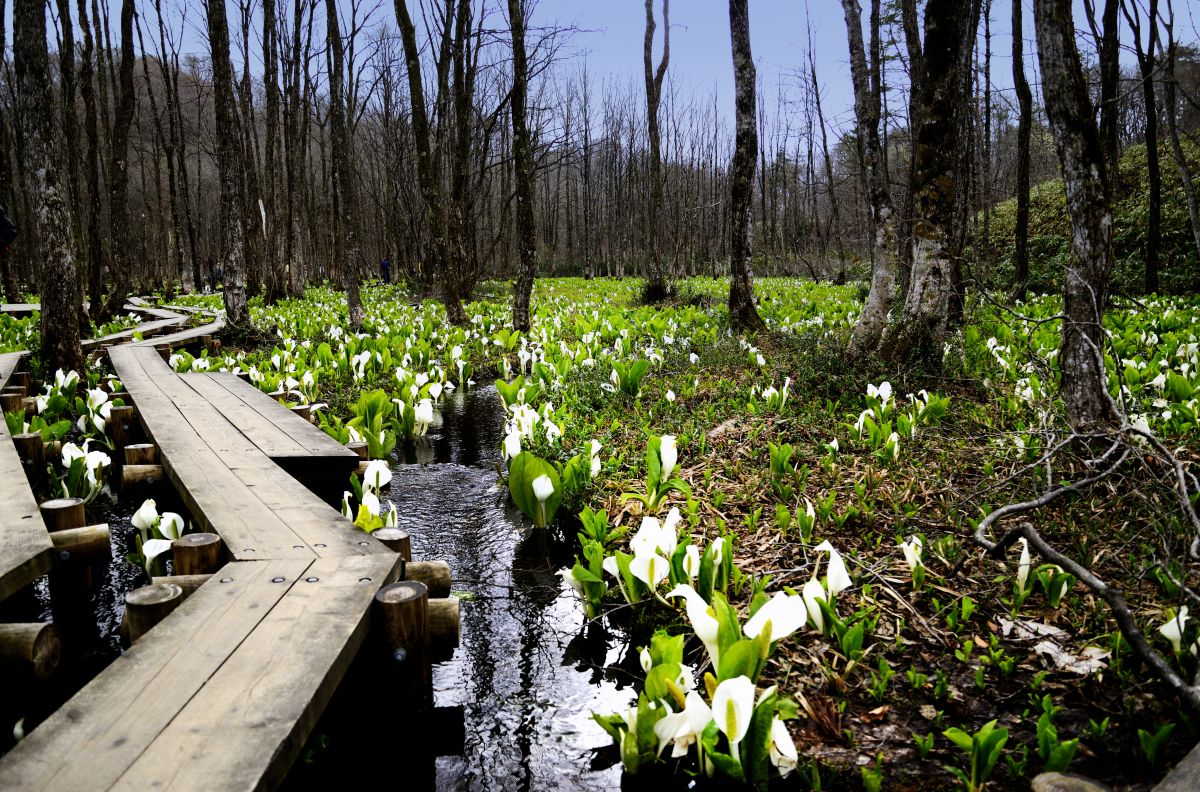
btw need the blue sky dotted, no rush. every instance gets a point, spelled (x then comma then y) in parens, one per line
(610, 38)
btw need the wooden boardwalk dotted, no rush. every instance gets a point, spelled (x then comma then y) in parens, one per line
(26, 552)
(19, 310)
(229, 484)
(223, 693)
(288, 440)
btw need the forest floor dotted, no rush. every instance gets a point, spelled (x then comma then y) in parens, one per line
(968, 645)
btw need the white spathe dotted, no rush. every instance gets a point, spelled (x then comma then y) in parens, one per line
(733, 707)
(668, 454)
(704, 621)
(146, 515)
(377, 476)
(780, 616)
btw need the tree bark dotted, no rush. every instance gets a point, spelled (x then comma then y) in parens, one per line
(345, 215)
(523, 170)
(1145, 58)
(428, 172)
(742, 311)
(229, 163)
(59, 291)
(1024, 127)
(1085, 179)
(118, 189)
(1185, 174)
(656, 284)
(868, 333)
(937, 158)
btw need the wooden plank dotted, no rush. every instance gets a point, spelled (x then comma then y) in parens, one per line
(264, 434)
(247, 726)
(219, 500)
(188, 336)
(9, 363)
(244, 497)
(146, 329)
(26, 552)
(105, 728)
(310, 437)
(1185, 776)
(20, 310)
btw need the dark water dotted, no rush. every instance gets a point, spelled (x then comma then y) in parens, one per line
(527, 675)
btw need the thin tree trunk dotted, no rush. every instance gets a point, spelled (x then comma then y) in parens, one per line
(742, 311)
(1085, 179)
(229, 163)
(656, 285)
(59, 293)
(1185, 174)
(345, 216)
(1145, 58)
(119, 173)
(868, 333)
(523, 170)
(428, 174)
(1024, 127)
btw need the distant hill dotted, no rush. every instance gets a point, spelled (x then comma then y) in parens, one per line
(1049, 229)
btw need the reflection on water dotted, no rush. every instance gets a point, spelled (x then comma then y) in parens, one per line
(526, 675)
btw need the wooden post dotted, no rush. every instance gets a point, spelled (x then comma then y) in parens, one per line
(403, 611)
(60, 514)
(141, 454)
(148, 605)
(197, 554)
(12, 400)
(434, 574)
(396, 540)
(22, 379)
(444, 628)
(358, 447)
(32, 452)
(164, 351)
(80, 545)
(244, 376)
(303, 411)
(189, 583)
(137, 475)
(30, 649)
(30, 405)
(118, 423)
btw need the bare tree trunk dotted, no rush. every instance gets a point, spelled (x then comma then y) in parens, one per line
(118, 188)
(59, 292)
(523, 170)
(742, 312)
(1185, 175)
(273, 259)
(656, 285)
(1085, 179)
(868, 333)
(1145, 58)
(229, 163)
(910, 22)
(428, 174)
(937, 155)
(1024, 128)
(345, 216)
